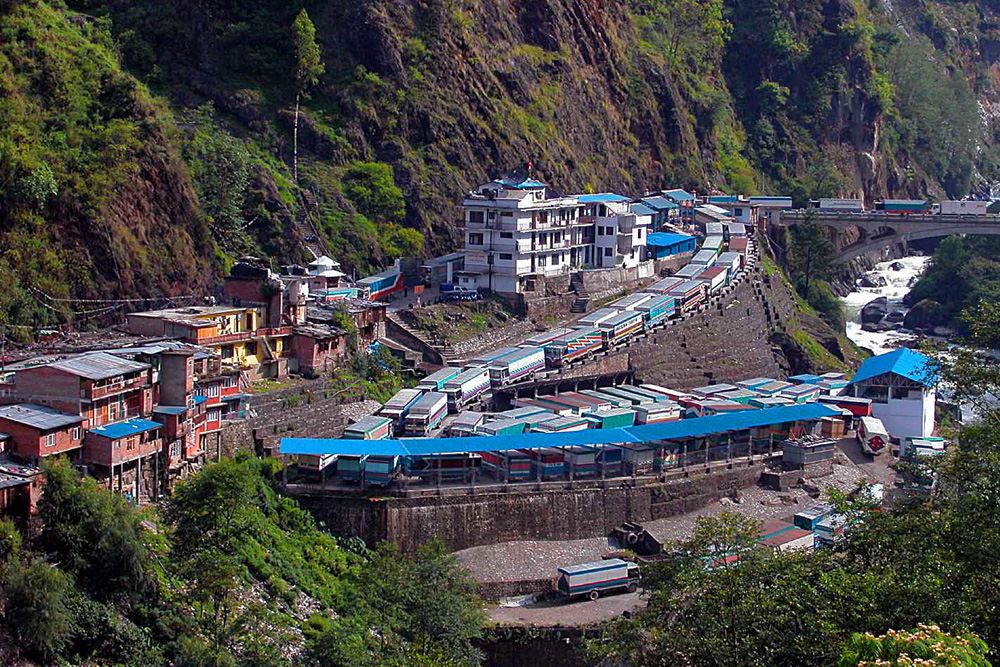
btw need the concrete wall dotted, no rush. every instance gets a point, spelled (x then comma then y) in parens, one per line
(521, 513)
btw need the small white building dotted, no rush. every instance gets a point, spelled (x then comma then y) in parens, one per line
(901, 385)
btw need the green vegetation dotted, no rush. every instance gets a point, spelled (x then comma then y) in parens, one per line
(230, 573)
(930, 559)
(963, 272)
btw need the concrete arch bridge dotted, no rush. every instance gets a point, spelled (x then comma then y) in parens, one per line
(882, 230)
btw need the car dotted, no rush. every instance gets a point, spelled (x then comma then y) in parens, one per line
(311, 238)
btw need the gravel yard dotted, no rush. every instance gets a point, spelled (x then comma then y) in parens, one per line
(532, 559)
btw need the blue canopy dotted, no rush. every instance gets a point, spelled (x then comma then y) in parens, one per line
(664, 239)
(685, 428)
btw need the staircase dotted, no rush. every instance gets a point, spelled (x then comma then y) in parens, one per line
(304, 225)
(415, 339)
(582, 300)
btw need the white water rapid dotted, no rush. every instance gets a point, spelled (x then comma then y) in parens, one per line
(896, 285)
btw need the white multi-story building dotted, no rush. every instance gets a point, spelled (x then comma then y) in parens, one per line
(515, 233)
(901, 386)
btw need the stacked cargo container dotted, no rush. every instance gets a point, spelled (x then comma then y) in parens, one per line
(546, 463)
(580, 461)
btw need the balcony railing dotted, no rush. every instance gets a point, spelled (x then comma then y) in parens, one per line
(96, 392)
(243, 336)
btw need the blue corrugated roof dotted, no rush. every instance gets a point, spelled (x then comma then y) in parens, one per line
(601, 197)
(723, 199)
(904, 361)
(126, 428)
(686, 428)
(659, 203)
(641, 209)
(679, 195)
(666, 239)
(198, 400)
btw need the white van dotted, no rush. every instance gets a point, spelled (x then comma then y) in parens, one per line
(872, 435)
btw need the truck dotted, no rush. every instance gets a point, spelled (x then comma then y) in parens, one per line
(453, 292)
(832, 205)
(596, 317)
(689, 295)
(436, 380)
(397, 407)
(426, 413)
(517, 366)
(903, 206)
(369, 428)
(621, 327)
(465, 387)
(592, 579)
(960, 208)
(578, 345)
(872, 435)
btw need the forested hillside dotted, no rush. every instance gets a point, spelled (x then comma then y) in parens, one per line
(415, 101)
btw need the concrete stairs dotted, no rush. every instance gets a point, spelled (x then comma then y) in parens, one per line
(414, 339)
(304, 225)
(582, 300)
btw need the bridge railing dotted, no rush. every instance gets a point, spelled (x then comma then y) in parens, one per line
(797, 215)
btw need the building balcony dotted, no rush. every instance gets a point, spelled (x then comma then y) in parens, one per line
(96, 392)
(111, 452)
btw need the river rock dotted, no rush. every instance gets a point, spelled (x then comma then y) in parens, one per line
(924, 314)
(895, 316)
(869, 327)
(874, 311)
(872, 280)
(896, 266)
(944, 332)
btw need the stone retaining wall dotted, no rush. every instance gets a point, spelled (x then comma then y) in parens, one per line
(523, 512)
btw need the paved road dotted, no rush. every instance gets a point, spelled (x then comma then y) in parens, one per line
(549, 613)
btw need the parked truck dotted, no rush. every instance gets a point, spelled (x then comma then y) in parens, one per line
(426, 413)
(592, 579)
(872, 435)
(465, 387)
(517, 366)
(960, 208)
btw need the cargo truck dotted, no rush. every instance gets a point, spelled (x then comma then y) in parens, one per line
(578, 345)
(397, 407)
(517, 366)
(426, 413)
(620, 328)
(592, 579)
(466, 386)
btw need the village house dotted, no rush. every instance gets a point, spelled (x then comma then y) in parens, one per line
(31, 433)
(901, 385)
(20, 489)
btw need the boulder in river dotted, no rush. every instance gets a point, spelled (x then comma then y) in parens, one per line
(895, 316)
(872, 280)
(896, 266)
(924, 314)
(875, 310)
(944, 332)
(869, 327)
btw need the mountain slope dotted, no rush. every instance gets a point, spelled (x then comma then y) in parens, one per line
(93, 203)
(422, 99)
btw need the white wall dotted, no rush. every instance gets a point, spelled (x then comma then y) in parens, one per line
(907, 417)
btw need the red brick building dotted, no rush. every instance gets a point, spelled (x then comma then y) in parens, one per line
(318, 349)
(125, 455)
(100, 387)
(35, 432)
(20, 490)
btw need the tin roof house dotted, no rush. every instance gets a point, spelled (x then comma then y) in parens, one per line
(901, 385)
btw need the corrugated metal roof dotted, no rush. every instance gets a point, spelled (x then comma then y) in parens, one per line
(98, 366)
(126, 428)
(198, 400)
(679, 195)
(685, 428)
(690, 271)
(659, 203)
(904, 362)
(601, 197)
(369, 423)
(641, 209)
(38, 416)
(169, 410)
(666, 239)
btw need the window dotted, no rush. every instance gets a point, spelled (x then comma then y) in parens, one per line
(541, 260)
(492, 215)
(76, 433)
(212, 390)
(607, 252)
(227, 351)
(506, 256)
(555, 258)
(738, 212)
(214, 414)
(230, 381)
(251, 348)
(50, 440)
(610, 231)
(640, 233)
(475, 239)
(600, 230)
(506, 235)
(476, 216)
(112, 411)
(558, 238)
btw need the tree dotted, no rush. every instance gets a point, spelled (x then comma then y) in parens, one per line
(927, 645)
(308, 68)
(35, 603)
(811, 253)
(372, 190)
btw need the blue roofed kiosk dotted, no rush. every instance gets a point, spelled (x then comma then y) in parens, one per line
(901, 385)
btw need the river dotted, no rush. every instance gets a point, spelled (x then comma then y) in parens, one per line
(897, 284)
